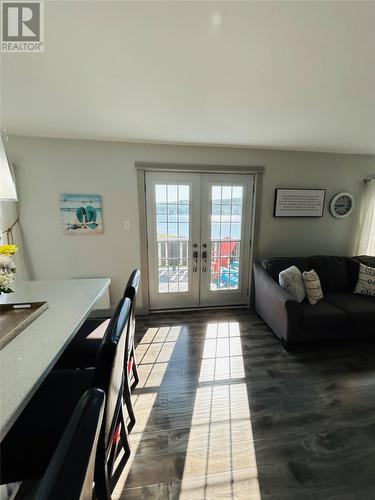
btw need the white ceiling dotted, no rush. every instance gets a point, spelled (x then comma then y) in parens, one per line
(261, 74)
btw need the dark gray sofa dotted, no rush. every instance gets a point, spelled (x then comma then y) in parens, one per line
(340, 315)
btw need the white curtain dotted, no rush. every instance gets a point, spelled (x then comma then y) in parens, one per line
(366, 242)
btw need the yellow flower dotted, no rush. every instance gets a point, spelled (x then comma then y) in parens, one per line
(8, 249)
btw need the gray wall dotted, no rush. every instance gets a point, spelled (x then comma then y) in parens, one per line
(45, 168)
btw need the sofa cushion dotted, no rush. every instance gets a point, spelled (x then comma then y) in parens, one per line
(323, 315)
(275, 265)
(366, 281)
(360, 309)
(313, 287)
(291, 280)
(353, 268)
(332, 272)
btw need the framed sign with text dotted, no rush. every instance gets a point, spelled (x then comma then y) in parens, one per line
(299, 202)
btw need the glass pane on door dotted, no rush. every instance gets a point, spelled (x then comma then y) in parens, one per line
(226, 229)
(173, 235)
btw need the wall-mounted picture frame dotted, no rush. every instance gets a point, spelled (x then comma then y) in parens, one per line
(293, 202)
(81, 213)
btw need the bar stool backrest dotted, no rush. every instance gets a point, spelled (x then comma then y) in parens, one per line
(70, 473)
(109, 369)
(131, 291)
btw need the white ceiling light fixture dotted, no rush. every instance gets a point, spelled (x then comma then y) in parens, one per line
(7, 186)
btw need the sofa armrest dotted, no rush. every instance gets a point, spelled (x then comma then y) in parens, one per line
(275, 306)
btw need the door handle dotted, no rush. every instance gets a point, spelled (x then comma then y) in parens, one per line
(204, 258)
(195, 261)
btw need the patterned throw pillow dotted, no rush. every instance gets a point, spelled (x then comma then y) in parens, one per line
(366, 281)
(313, 287)
(291, 280)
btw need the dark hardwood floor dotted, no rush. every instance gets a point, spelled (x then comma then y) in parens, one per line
(224, 412)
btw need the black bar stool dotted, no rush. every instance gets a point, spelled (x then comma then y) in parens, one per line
(131, 292)
(83, 350)
(70, 474)
(28, 447)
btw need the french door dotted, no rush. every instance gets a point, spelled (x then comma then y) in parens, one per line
(198, 229)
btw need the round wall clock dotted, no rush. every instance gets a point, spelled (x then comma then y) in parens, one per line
(342, 205)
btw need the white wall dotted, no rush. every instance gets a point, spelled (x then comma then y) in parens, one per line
(45, 168)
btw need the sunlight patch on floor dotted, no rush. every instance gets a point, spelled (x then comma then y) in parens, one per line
(153, 354)
(234, 485)
(222, 353)
(220, 459)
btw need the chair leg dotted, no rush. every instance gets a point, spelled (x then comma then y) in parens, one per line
(116, 472)
(102, 486)
(129, 406)
(121, 440)
(134, 369)
(102, 492)
(114, 451)
(124, 434)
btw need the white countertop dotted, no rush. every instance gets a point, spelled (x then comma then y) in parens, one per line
(28, 358)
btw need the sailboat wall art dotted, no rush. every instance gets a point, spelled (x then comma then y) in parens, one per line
(81, 213)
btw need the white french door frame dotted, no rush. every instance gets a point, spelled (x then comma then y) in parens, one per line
(143, 167)
(227, 297)
(189, 298)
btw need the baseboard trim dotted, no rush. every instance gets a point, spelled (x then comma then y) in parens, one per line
(196, 309)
